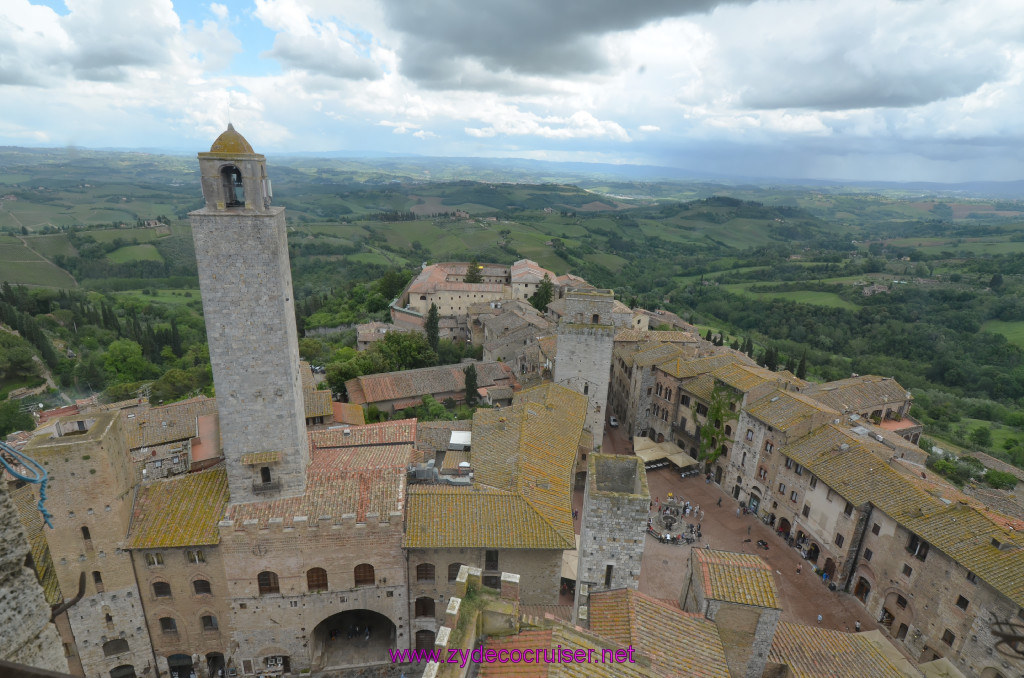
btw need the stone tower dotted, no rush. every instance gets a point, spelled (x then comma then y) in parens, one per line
(613, 527)
(586, 333)
(246, 283)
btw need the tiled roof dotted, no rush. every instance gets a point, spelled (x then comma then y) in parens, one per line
(678, 643)
(317, 403)
(549, 346)
(349, 413)
(26, 502)
(555, 639)
(527, 271)
(683, 368)
(961, 532)
(736, 577)
(158, 425)
(812, 652)
(665, 336)
(254, 458)
(523, 458)
(375, 388)
(784, 409)
(306, 373)
(180, 511)
(745, 377)
(701, 386)
(859, 393)
(435, 435)
(452, 459)
(993, 463)
(351, 480)
(654, 353)
(383, 433)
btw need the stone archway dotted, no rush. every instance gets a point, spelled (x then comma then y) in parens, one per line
(180, 665)
(352, 638)
(214, 664)
(123, 671)
(785, 528)
(862, 590)
(813, 551)
(830, 568)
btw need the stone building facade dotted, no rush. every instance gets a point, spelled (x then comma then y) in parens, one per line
(244, 274)
(616, 505)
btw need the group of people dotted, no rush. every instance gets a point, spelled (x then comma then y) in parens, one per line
(354, 632)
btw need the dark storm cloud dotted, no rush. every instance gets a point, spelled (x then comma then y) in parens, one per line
(532, 37)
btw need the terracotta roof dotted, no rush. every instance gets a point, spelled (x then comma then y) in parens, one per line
(523, 459)
(683, 368)
(665, 336)
(785, 409)
(842, 460)
(527, 271)
(348, 413)
(340, 481)
(560, 637)
(812, 652)
(736, 577)
(254, 458)
(180, 511)
(745, 377)
(678, 643)
(991, 462)
(383, 433)
(549, 346)
(654, 353)
(158, 425)
(859, 393)
(375, 388)
(306, 373)
(26, 502)
(435, 435)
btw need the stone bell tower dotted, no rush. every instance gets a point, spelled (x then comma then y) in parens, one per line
(246, 283)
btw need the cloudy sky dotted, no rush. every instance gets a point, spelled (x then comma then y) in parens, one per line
(836, 89)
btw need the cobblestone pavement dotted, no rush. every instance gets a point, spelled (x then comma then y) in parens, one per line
(803, 596)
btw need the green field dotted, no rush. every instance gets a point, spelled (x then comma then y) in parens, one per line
(1013, 331)
(169, 296)
(35, 273)
(128, 253)
(51, 245)
(126, 234)
(812, 297)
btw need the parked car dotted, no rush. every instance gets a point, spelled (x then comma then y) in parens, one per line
(613, 422)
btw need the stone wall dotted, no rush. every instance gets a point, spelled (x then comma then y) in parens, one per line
(246, 285)
(26, 634)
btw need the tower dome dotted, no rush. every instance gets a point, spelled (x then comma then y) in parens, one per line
(231, 142)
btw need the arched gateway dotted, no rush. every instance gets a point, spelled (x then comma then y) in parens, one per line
(352, 638)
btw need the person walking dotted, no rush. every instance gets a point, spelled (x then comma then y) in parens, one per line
(819, 618)
(719, 502)
(748, 530)
(799, 568)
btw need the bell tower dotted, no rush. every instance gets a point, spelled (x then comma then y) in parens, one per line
(246, 283)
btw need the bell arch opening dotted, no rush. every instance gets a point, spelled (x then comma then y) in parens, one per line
(352, 638)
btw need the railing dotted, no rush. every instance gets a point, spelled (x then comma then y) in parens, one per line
(272, 486)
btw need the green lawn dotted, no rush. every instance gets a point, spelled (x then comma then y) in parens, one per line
(127, 234)
(51, 245)
(1013, 331)
(812, 297)
(174, 297)
(128, 253)
(38, 273)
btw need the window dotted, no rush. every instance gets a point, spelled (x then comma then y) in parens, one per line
(750, 434)
(682, 424)
(807, 511)
(907, 570)
(867, 554)
(840, 539)
(702, 409)
(491, 560)
(768, 447)
(848, 510)
(962, 603)
(814, 482)
(364, 575)
(789, 463)
(875, 529)
(168, 625)
(608, 569)
(491, 581)
(195, 557)
(424, 607)
(793, 495)
(97, 579)
(902, 633)
(782, 488)
(209, 622)
(971, 577)
(668, 394)
(901, 602)
(425, 572)
(799, 470)
(85, 533)
(659, 389)
(684, 400)
(116, 646)
(267, 583)
(948, 637)
(917, 547)
(265, 474)
(161, 589)
(453, 572)
(201, 587)
(316, 579)
(154, 559)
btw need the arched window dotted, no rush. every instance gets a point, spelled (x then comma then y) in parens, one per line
(201, 587)
(161, 589)
(364, 575)
(168, 625)
(115, 646)
(97, 579)
(209, 622)
(424, 640)
(265, 474)
(234, 190)
(424, 607)
(123, 671)
(267, 582)
(85, 533)
(453, 571)
(425, 572)
(316, 579)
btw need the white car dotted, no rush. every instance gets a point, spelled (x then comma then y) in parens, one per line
(613, 422)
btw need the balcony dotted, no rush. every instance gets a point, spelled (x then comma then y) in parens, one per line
(262, 488)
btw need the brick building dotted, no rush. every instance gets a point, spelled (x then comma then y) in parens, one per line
(394, 391)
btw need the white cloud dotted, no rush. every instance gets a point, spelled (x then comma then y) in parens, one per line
(220, 11)
(649, 128)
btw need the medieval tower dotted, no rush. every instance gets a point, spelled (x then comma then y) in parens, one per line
(586, 333)
(613, 528)
(246, 283)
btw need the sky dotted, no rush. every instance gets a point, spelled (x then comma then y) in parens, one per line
(895, 90)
